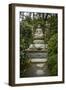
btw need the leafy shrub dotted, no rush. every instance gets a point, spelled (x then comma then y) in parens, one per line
(25, 41)
(52, 55)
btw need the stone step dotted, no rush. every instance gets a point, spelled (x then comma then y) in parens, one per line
(37, 60)
(35, 50)
(37, 55)
(38, 41)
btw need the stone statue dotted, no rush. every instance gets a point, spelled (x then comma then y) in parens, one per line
(38, 41)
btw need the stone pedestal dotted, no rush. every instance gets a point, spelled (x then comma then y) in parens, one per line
(37, 50)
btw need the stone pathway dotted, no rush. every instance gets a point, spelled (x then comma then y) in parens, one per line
(37, 69)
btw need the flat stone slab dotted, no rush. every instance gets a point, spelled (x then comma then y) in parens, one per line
(37, 60)
(37, 54)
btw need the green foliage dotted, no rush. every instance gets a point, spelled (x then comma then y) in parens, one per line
(52, 45)
(24, 62)
(25, 41)
(25, 35)
(52, 55)
(51, 38)
(53, 25)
